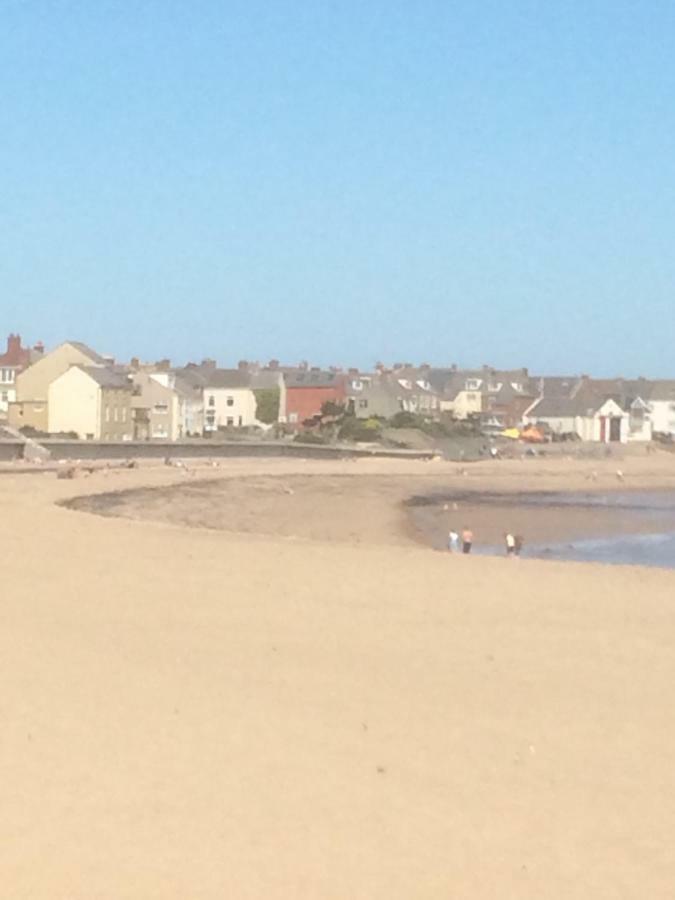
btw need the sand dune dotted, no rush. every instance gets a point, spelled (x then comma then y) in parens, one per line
(206, 714)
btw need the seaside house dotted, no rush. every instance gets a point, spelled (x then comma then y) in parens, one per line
(602, 411)
(372, 395)
(157, 408)
(93, 402)
(415, 392)
(189, 386)
(13, 361)
(308, 389)
(32, 385)
(661, 403)
(239, 398)
(498, 398)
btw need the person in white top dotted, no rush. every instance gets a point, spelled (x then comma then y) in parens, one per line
(510, 542)
(453, 541)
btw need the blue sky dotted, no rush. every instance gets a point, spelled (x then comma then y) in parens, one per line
(342, 182)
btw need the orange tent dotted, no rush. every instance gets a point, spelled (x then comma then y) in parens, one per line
(532, 435)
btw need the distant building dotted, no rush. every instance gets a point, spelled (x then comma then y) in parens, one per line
(372, 395)
(156, 408)
(189, 388)
(30, 407)
(93, 402)
(231, 397)
(661, 402)
(599, 410)
(498, 398)
(13, 361)
(307, 391)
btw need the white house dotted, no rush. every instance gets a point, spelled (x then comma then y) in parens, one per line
(661, 400)
(230, 397)
(588, 418)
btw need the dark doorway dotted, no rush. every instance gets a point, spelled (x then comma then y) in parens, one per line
(615, 429)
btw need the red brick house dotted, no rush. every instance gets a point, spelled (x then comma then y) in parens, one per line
(307, 391)
(14, 360)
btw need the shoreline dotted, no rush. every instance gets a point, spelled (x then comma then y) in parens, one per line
(401, 509)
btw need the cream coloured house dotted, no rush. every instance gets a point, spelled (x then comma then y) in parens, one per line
(30, 408)
(229, 401)
(93, 402)
(230, 397)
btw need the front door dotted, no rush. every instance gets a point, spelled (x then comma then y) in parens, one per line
(615, 429)
(603, 429)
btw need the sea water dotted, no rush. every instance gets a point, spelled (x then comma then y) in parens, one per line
(638, 549)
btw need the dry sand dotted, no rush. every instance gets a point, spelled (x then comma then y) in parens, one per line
(191, 713)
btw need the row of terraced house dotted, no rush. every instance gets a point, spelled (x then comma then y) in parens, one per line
(74, 390)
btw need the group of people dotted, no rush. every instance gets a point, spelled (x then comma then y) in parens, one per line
(464, 542)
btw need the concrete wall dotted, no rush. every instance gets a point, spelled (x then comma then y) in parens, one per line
(93, 450)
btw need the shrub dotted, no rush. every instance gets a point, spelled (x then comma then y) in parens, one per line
(267, 405)
(309, 437)
(353, 429)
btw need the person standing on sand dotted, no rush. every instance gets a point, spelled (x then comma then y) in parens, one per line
(510, 542)
(467, 540)
(519, 541)
(453, 541)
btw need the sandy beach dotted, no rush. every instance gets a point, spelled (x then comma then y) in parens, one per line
(257, 681)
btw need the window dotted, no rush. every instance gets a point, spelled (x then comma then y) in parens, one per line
(292, 417)
(124, 413)
(230, 401)
(357, 385)
(230, 421)
(107, 413)
(212, 400)
(472, 384)
(161, 408)
(363, 404)
(241, 421)
(7, 376)
(4, 396)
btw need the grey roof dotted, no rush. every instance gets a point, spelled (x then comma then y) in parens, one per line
(92, 354)
(186, 386)
(191, 375)
(555, 408)
(265, 380)
(311, 378)
(555, 385)
(225, 378)
(663, 389)
(107, 378)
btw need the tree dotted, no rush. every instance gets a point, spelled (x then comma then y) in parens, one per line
(331, 408)
(267, 405)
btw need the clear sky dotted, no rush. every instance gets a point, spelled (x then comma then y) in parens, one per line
(450, 181)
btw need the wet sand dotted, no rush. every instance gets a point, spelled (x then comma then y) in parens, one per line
(355, 506)
(190, 712)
